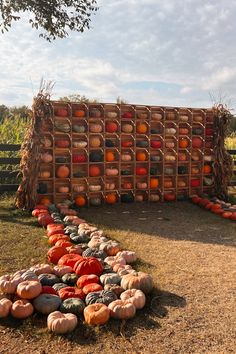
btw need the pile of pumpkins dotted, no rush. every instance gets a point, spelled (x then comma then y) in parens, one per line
(87, 275)
(216, 206)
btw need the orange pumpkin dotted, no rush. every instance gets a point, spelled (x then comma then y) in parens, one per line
(94, 171)
(79, 113)
(45, 201)
(63, 171)
(183, 131)
(80, 200)
(154, 183)
(110, 156)
(169, 197)
(141, 128)
(111, 198)
(168, 183)
(94, 141)
(207, 169)
(197, 142)
(111, 127)
(61, 112)
(183, 143)
(141, 156)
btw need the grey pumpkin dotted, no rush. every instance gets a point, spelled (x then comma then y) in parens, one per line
(69, 278)
(48, 279)
(103, 297)
(94, 252)
(110, 278)
(72, 305)
(59, 286)
(46, 303)
(79, 238)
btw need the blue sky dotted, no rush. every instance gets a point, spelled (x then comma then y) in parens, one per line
(145, 51)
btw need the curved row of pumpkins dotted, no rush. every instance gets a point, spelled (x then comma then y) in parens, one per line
(216, 206)
(88, 275)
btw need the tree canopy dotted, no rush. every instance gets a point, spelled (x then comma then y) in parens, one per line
(55, 18)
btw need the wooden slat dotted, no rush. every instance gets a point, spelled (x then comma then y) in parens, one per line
(7, 174)
(8, 187)
(9, 160)
(10, 147)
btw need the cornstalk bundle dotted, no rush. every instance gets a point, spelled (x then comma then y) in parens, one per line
(223, 164)
(26, 195)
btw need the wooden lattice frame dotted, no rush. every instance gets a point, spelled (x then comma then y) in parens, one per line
(43, 114)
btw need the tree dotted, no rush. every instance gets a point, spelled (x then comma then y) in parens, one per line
(55, 17)
(77, 98)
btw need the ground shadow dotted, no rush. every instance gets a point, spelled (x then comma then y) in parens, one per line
(177, 221)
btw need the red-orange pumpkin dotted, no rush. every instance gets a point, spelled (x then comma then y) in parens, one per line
(69, 259)
(94, 171)
(89, 265)
(44, 219)
(61, 112)
(37, 212)
(141, 171)
(196, 142)
(63, 243)
(55, 253)
(111, 198)
(111, 127)
(80, 201)
(87, 279)
(91, 288)
(54, 238)
(71, 292)
(63, 171)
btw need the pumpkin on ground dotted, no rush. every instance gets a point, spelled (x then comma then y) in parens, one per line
(87, 279)
(72, 305)
(103, 297)
(135, 296)
(8, 283)
(55, 253)
(48, 279)
(89, 265)
(70, 291)
(59, 286)
(117, 289)
(110, 247)
(69, 279)
(46, 303)
(29, 289)
(61, 323)
(60, 270)
(41, 268)
(129, 256)
(91, 288)
(5, 307)
(47, 289)
(94, 252)
(69, 259)
(122, 309)
(96, 314)
(21, 309)
(110, 278)
(137, 280)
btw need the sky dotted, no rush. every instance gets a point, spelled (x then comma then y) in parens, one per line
(151, 52)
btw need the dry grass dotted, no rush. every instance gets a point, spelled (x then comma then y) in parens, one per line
(189, 252)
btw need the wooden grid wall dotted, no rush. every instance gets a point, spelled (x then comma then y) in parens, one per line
(155, 153)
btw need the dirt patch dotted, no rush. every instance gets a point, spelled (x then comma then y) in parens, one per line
(189, 252)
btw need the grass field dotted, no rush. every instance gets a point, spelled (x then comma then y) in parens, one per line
(189, 252)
